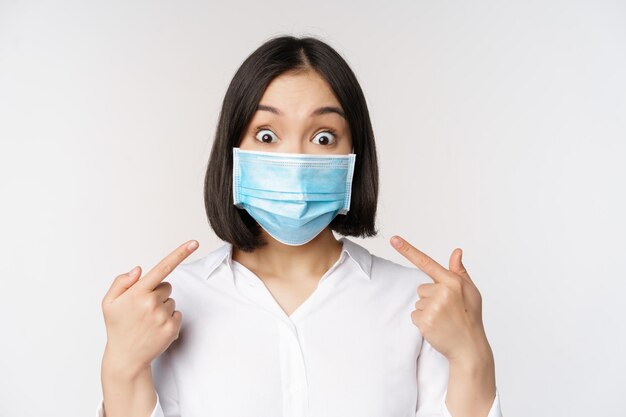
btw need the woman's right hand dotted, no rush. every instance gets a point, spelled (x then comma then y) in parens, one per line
(140, 318)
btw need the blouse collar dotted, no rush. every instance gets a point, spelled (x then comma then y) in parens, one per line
(356, 252)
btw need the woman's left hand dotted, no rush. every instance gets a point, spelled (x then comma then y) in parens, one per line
(449, 311)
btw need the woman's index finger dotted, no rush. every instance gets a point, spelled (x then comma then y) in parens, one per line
(418, 258)
(161, 270)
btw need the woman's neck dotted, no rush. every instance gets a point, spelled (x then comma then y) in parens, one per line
(294, 263)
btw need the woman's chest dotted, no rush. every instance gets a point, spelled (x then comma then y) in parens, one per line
(289, 296)
(352, 360)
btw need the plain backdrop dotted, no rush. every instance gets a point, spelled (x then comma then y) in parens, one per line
(500, 127)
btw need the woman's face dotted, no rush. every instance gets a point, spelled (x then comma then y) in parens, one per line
(298, 113)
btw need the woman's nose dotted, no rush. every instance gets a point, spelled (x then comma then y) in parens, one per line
(293, 146)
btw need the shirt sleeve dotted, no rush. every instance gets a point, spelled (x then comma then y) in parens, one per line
(432, 381)
(495, 410)
(156, 412)
(165, 386)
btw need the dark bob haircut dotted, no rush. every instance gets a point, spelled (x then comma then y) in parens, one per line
(277, 56)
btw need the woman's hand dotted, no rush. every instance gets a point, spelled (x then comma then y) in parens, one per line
(140, 318)
(449, 311)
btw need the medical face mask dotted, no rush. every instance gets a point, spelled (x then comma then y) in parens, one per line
(293, 196)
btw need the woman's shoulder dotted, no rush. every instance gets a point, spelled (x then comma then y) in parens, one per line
(388, 270)
(383, 270)
(187, 276)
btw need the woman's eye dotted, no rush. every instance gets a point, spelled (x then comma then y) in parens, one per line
(265, 136)
(324, 138)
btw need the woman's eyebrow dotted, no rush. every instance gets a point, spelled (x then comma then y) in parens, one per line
(318, 112)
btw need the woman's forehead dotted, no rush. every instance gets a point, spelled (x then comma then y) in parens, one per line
(299, 94)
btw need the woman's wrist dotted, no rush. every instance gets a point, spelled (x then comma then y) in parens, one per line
(471, 384)
(116, 367)
(475, 353)
(477, 367)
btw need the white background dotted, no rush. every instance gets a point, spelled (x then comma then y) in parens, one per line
(500, 126)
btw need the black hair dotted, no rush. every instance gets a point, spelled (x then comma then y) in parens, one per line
(276, 56)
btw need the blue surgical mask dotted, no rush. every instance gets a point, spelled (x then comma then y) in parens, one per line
(293, 196)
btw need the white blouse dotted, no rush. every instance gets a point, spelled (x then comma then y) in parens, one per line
(350, 349)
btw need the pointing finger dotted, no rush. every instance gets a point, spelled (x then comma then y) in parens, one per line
(418, 258)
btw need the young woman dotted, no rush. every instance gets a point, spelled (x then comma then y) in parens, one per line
(284, 319)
